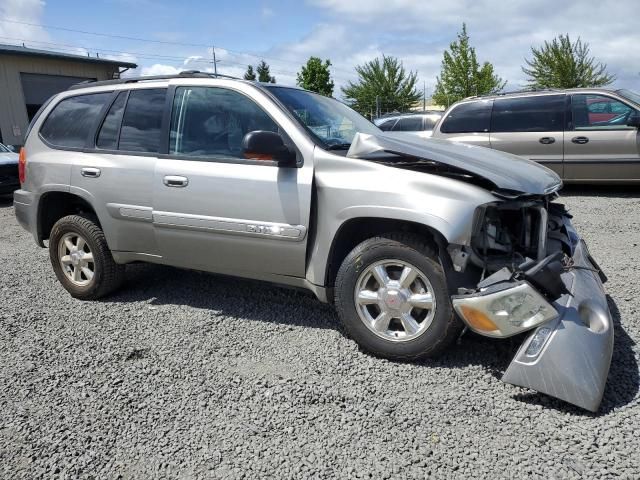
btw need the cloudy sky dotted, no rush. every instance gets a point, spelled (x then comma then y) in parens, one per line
(179, 34)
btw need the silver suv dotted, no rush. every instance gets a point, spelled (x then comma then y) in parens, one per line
(584, 135)
(412, 242)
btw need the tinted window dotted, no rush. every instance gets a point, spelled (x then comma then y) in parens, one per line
(108, 136)
(430, 122)
(142, 121)
(468, 118)
(598, 112)
(408, 124)
(207, 121)
(387, 125)
(532, 114)
(70, 122)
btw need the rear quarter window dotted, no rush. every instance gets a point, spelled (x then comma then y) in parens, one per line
(468, 118)
(408, 124)
(71, 121)
(387, 125)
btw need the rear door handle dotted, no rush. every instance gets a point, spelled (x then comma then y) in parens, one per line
(580, 140)
(90, 172)
(547, 140)
(175, 181)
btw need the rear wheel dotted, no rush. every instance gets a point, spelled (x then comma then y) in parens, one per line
(82, 260)
(392, 297)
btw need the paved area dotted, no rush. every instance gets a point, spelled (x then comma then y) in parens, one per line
(189, 375)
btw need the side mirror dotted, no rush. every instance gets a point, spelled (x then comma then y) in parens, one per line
(266, 145)
(634, 120)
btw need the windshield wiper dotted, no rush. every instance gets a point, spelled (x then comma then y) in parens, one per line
(339, 146)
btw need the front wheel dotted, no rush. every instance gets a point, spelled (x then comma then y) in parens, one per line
(391, 294)
(81, 258)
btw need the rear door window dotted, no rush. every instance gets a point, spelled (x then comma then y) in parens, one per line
(468, 118)
(408, 124)
(73, 119)
(142, 121)
(530, 114)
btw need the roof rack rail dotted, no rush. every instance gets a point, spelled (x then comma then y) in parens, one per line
(121, 81)
(515, 92)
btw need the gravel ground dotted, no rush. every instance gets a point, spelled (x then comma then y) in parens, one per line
(189, 375)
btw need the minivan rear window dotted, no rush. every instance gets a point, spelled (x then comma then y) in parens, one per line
(468, 118)
(408, 124)
(540, 113)
(71, 120)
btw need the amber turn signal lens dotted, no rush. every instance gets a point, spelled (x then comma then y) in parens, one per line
(22, 165)
(478, 320)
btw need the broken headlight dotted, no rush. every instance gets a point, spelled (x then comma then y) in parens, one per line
(505, 312)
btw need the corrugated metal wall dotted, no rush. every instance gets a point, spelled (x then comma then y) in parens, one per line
(13, 112)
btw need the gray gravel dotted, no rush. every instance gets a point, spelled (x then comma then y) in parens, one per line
(189, 375)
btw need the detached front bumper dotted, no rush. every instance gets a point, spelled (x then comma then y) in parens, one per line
(568, 354)
(569, 357)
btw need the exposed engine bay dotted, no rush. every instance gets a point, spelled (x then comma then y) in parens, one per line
(518, 236)
(511, 233)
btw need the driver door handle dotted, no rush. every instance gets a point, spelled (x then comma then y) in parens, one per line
(580, 140)
(175, 181)
(547, 140)
(90, 172)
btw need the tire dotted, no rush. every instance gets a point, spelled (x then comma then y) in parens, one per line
(103, 275)
(439, 326)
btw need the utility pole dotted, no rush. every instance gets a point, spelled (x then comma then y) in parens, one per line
(215, 62)
(424, 96)
(377, 106)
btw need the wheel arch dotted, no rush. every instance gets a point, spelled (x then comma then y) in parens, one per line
(55, 204)
(355, 230)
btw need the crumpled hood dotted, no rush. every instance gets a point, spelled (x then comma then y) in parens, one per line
(505, 171)
(8, 158)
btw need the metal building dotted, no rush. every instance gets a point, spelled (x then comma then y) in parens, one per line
(28, 77)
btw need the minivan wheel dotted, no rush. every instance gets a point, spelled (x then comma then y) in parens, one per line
(391, 294)
(82, 260)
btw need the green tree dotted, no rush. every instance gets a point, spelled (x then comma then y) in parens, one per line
(264, 75)
(565, 64)
(250, 74)
(382, 86)
(462, 76)
(315, 76)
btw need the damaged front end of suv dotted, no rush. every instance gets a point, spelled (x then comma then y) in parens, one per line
(523, 268)
(538, 274)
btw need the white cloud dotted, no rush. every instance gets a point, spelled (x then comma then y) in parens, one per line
(267, 13)
(29, 11)
(502, 32)
(160, 69)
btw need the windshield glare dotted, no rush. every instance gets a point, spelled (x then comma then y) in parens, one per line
(330, 121)
(4, 149)
(629, 95)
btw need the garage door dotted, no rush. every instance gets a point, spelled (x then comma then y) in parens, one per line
(37, 88)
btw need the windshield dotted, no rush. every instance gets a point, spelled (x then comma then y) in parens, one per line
(4, 149)
(629, 95)
(330, 121)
